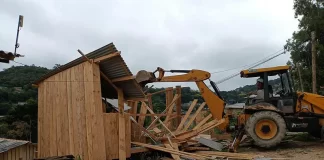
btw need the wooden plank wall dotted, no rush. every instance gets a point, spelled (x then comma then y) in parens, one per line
(111, 125)
(70, 118)
(24, 152)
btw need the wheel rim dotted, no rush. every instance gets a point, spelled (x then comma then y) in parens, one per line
(266, 129)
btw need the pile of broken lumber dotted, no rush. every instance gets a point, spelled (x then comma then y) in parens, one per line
(187, 139)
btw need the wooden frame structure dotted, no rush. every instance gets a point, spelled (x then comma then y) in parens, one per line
(71, 118)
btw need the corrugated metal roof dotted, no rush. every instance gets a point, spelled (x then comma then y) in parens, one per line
(114, 67)
(107, 49)
(7, 144)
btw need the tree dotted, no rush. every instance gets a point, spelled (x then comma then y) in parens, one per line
(310, 14)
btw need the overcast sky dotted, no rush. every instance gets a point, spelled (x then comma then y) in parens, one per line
(211, 35)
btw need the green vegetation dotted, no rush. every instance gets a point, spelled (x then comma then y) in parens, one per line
(310, 14)
(18, 101)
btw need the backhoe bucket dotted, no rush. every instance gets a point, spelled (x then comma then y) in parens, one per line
(143, 77)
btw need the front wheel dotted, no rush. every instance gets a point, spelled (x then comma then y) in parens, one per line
(266, 128)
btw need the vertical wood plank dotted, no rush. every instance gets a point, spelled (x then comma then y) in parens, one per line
(99, 147)
(128, 135)
(53, 108)
(70, 116)
(111, 135)
(9, 155)
(88, 88)
(93, 106)
(40, 112)
(28, 150)
(141, 119)
(65, 116)
(47, 116)
(122, 136)
(58, 113)
(78, 110)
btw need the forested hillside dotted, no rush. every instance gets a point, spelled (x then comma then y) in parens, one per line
(18, 102)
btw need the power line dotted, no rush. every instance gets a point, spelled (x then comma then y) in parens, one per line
(264, 60)
(20, 63)
(248, 64)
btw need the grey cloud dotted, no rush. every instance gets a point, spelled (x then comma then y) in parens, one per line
(204, 35)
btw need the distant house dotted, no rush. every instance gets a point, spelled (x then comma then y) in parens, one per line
(18, 89)
(235, 108)
(17, 149)
(21, 103)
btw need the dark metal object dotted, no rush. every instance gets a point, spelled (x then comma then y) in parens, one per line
(20, 25)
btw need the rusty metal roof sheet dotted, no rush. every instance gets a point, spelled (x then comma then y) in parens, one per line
(7, 144)
(114, 67)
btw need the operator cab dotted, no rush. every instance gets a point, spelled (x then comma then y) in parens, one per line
(279, 95)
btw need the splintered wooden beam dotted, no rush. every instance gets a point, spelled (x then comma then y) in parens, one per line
(176, 96)
(204, 128)
(143, 110)
(203, 122)
(107, 57)
(193, 104)
(143, 129)
(149, 109)
(194, 117)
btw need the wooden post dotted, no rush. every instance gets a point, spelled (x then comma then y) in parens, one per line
(122, 133)
(168, 100)
(314, 61)
(178, 104)
(150, 103)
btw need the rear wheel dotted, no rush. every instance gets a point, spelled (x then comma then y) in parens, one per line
(266, 128)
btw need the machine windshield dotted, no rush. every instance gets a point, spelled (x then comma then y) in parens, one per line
(285, 83)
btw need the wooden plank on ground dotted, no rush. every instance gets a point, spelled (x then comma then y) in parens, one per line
(173, 151)
(193, 104)
(174, 156)
(193, 117)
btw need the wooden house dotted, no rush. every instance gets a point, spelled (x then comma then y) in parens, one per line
(71, 116)
(11, 149)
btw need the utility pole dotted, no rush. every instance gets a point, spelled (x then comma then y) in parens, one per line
(300, 78)
(314, 62)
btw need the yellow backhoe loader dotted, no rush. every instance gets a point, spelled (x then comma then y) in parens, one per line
(265, 120)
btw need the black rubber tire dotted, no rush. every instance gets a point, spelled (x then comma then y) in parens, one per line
(266, 143)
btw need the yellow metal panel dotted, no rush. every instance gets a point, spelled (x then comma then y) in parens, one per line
(247, 72)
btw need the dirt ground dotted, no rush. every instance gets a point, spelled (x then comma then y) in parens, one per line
(295, 147)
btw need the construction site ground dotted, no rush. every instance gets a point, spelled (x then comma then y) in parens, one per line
(297, 146)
